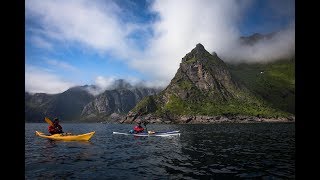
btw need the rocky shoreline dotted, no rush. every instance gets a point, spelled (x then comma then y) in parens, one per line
(202, 119)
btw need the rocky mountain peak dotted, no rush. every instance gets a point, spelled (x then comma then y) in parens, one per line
(202, 73)
(200, 47)
(196, 53)
(122, 84)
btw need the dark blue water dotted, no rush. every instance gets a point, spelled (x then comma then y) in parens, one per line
(216, 151)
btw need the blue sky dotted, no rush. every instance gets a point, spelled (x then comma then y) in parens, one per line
(79, 42)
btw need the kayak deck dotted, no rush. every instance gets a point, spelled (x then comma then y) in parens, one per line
(162, 133)
(66, 136)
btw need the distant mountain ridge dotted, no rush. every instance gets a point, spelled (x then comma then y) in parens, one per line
(119, 101)
(78, 104)
(256, 37)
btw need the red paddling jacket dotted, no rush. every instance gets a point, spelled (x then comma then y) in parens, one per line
(55, 129)
(138, 129)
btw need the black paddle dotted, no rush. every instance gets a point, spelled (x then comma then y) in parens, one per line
(135, 116)
(145, 125)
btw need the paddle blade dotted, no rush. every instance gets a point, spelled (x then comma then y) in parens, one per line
(48, 121)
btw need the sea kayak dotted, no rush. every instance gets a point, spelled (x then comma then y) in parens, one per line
(67, 136)
(152, 133)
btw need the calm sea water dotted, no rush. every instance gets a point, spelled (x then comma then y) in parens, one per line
(216, 151)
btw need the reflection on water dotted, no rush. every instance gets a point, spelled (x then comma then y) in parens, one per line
(201, 151)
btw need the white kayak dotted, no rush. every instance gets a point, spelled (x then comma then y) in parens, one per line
(152, 133)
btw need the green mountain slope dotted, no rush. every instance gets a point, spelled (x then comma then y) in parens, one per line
(273, 81)
(203, 85)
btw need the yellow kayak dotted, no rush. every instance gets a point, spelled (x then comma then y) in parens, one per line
(67, 136)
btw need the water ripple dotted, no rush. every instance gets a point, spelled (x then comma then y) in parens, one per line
(236, 151)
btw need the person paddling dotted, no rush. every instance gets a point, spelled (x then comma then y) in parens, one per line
(138, 128)
(55, 128)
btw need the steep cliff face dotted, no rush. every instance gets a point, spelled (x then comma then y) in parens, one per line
(67, 105)
(35, 106)
(201, 73)
(203, 85)
(118, 101)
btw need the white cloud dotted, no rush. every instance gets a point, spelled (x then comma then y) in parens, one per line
(103, 83)
(92, 24)
(182, 24)
(214, 24)
(41, 43)
(281, 45)
(39, 80)
(61, 64)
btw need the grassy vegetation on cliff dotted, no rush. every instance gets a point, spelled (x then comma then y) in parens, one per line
(147, 104)
(274, 82)
(190, 61)
(235, 107)
(186, 85)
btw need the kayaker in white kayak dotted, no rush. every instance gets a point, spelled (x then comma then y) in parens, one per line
(55, 128)
(138, 128)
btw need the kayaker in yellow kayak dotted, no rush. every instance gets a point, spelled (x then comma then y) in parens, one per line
(55, 128)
